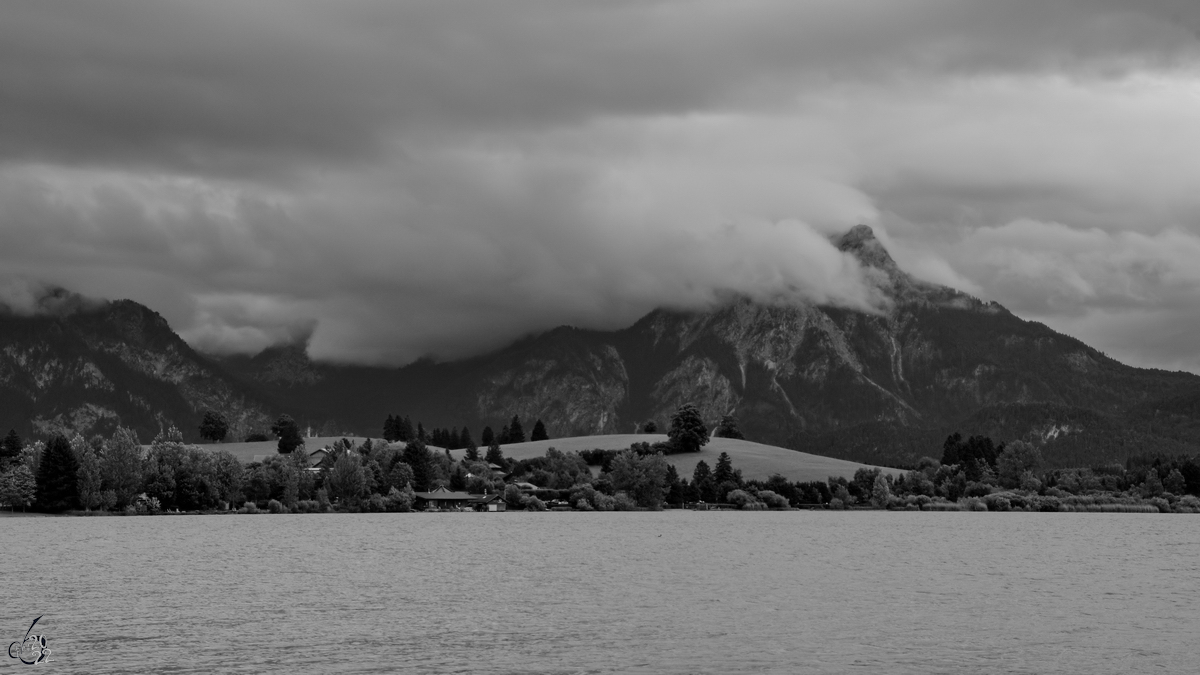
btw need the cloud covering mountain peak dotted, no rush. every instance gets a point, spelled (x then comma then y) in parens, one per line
(404, 179)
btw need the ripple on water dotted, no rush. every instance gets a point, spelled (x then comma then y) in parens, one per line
(672, 592)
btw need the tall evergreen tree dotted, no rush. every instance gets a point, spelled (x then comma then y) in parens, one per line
(390, 429)
(407, 432)
(10, 448)
(494, 455)
(487, 437)
(724, 470)
(702, 482)
(416, 456)
(515, 433)
(539, 432)
(468, 442)
(458, 478)
(58, 476)
(421, 435)
(676, 487)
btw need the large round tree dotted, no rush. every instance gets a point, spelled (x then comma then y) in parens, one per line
(688, 430)
(214, 427)
(288, 433)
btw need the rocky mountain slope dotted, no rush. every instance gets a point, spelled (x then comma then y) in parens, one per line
(881, 388)
(87, 367)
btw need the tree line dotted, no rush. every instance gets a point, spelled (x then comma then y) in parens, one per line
(400, 428)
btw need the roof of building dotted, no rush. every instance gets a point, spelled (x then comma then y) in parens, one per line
(442, 494)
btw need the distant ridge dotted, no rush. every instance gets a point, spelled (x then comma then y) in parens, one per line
(880, 388)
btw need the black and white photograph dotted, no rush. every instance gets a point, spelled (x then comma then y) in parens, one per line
(582, 337)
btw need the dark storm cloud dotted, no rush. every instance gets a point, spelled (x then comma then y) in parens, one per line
(396, 179)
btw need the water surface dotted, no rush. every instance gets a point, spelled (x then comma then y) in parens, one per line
(672, 592)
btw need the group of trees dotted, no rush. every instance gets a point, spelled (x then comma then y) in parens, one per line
(981, 474)
(111, 473)
(688, 426)
(119, 473)
(513, 432)
(397, 428)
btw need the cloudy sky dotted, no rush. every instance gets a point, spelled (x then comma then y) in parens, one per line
(398, 179)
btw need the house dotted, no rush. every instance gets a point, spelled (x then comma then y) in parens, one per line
(317, 456)
(487, 503)
(441, 498)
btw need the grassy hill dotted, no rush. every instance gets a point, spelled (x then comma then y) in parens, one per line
(757, 461)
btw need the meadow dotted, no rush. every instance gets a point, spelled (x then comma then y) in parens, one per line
(756, 460)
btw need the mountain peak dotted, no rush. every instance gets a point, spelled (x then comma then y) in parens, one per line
(856, 235)
(860, 241)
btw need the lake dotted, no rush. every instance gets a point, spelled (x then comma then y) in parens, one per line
(670, 592)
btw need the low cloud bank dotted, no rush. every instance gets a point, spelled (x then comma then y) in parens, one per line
(389, 181)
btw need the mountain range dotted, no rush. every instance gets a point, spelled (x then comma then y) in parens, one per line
(882, 387)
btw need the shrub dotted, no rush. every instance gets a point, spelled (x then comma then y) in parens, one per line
(513, 496)
(532, 503)
(374, 504)
(1189, 502)
(276, 506)
(1030, 482)
(623, 502)
(131, 510)
(973, 504)
(1045, 504)
(583, 505)
(837, 504)
(741, 499)
(1161, 504)
(323, 500)
(942, 506)
(400, 501)
(773, 499)
(997, 503)
(249, 507)
(583, 492)
(977, 489)
(604, 502)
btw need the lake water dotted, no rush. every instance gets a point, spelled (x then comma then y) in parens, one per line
(671, 592)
